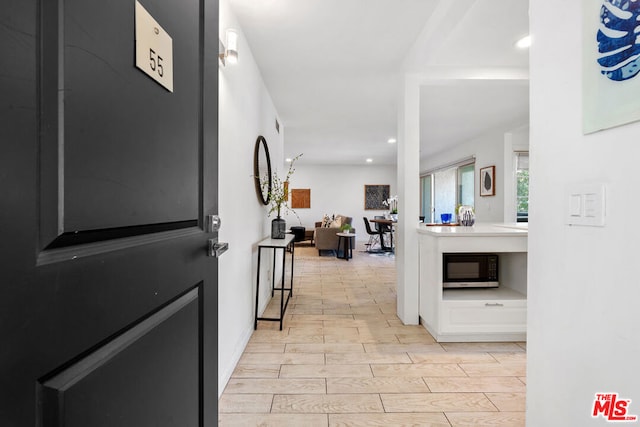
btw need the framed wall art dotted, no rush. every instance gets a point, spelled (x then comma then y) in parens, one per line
(374, 195)
(610, 64)
(300, 198)
(487, 181)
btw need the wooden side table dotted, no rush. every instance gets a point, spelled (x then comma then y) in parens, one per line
(275, 244)
(347, 245)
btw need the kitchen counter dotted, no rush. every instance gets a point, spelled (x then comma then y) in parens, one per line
(479, 229)
(491, 314)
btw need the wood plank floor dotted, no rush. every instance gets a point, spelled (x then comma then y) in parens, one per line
(344, 358)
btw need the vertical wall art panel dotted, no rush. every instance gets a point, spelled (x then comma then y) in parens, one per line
(374, 195)
(611, 63)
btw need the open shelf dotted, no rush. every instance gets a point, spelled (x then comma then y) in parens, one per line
(473, 294)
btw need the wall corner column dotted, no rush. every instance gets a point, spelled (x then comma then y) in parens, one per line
(407, 259)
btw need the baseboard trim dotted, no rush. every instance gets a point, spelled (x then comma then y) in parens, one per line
(224, 373)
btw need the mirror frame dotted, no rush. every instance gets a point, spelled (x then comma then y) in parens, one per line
(261, 142)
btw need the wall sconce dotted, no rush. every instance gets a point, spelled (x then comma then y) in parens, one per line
(230, 52)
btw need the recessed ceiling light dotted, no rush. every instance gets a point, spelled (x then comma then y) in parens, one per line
(524, 42)
(392, 141)
(288, 160)
(369, 160)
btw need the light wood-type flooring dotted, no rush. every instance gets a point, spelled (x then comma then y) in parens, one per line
(344, 358)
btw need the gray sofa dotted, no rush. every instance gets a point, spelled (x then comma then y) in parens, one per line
(326, 238)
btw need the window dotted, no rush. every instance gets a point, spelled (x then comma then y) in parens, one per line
(444, 192)
(443, 189)
(426, 197)
(522, 187)
(466, 181)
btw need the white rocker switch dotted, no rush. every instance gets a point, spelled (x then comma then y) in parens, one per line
(575, 205)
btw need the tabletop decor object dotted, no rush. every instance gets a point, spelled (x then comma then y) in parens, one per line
(466, 215)
(346, 228)
(278, 200)
(392, 204)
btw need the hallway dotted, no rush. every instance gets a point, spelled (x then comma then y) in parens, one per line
(344, 358)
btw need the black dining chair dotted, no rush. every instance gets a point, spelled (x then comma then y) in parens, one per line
(374, 236)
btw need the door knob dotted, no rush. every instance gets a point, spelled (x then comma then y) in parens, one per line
(215, 248)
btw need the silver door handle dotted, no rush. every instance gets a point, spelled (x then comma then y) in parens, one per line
(215, 248)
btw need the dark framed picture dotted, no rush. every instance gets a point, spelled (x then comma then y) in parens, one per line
(487, 181)
(374, 195)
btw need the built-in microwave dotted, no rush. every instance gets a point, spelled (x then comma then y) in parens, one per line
(469, 270)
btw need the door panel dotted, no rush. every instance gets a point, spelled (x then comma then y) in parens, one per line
(113, 133)
(97, 389)
(139, 144)
(105, 179)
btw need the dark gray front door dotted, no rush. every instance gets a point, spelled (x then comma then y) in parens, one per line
(108, 302)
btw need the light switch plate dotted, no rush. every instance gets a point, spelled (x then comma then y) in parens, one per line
(585, 205)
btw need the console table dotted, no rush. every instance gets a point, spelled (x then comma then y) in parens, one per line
(275, 244)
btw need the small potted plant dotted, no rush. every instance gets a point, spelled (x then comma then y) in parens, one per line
(392, 203)
(346, 228)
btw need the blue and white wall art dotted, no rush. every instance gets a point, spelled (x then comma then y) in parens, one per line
(611, 63)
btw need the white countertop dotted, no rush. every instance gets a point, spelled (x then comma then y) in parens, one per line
(479, 229)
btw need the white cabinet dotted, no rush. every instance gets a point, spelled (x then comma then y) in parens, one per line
(490, 315)
(460, 315)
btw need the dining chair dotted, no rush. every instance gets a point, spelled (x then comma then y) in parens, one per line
(374, 236)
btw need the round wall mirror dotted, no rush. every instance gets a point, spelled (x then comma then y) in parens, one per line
(262, 170)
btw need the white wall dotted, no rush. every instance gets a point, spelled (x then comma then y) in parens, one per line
(339, 189)
(488, 150)
(245, 111)
(584, 321)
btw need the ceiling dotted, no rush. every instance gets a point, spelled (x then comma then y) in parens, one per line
(334, 70)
